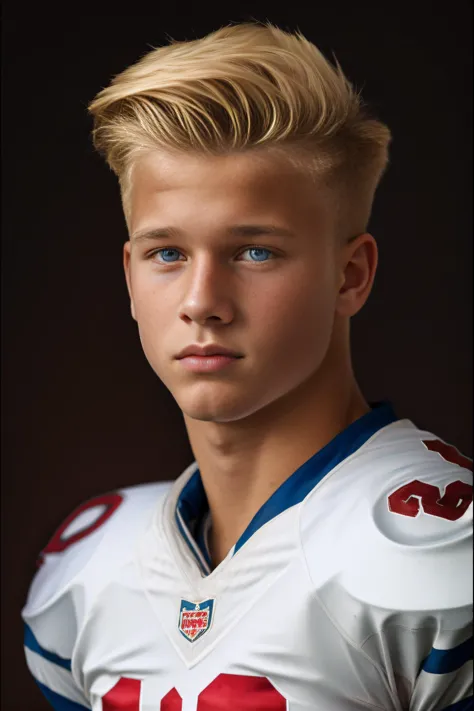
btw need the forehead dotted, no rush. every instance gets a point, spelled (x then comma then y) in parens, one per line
(236, 186)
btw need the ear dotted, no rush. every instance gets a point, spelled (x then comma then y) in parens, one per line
(359, 259)
(128, 278)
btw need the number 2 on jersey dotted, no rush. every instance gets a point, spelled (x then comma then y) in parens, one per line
(457, 497)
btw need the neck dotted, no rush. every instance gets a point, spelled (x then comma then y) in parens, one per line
(243, 463)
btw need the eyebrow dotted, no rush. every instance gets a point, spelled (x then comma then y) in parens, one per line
(234, 231)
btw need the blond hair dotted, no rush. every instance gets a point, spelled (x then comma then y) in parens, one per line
(246, 86)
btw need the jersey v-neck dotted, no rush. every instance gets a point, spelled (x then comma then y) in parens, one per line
(192, 509)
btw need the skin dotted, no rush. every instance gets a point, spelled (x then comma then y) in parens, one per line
(286, 310)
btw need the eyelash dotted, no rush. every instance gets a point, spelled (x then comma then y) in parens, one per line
(246, 249)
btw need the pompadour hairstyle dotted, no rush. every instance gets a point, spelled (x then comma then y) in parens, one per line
(248, 86)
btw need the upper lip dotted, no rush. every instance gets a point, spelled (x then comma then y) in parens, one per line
(208, 350)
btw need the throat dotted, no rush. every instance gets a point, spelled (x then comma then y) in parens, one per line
(223, 512)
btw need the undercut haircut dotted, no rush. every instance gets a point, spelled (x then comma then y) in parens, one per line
(246, 87)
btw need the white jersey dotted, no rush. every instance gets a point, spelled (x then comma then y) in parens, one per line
(350, 590)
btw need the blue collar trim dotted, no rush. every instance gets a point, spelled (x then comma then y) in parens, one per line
(192, 502)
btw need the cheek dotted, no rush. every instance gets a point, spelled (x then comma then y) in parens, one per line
(146, 307)
(151, 297)
(153, 321)
(297, 321)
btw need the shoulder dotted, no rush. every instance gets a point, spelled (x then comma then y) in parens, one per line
(400, 525)
(100, 533)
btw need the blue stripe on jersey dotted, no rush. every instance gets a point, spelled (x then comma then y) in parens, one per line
(463, 705)
(192, 506)
(32, 643)
(304, 479)
(60, 703)
(201, 540)
(192, 544)
(192, 502)
(443, 661)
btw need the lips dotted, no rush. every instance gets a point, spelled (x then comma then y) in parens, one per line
(207, 364)
(211, 349)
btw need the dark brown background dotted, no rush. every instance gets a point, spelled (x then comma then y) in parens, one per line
(82, 410)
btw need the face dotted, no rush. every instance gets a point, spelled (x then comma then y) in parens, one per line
(238, 251)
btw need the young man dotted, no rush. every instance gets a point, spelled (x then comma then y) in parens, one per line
(316, 554)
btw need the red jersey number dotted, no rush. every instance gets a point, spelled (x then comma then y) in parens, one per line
(58, 543)
(409, 498)
(125, 696)
(253, 693)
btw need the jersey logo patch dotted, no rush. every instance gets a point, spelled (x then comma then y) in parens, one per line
(195, 618)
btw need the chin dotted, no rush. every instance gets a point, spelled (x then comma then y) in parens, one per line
(224, 408)
(214, 414)
(225, 402)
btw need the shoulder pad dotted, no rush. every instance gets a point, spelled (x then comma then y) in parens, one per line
(428, 501)
(103, 529)
(402, 535)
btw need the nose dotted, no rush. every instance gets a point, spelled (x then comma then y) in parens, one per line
(206, 294)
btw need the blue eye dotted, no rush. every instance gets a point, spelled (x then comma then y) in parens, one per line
(167, 250)
(257, 249)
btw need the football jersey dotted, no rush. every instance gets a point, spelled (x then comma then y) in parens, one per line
(350, 589)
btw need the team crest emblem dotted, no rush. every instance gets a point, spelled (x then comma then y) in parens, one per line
(195, 618)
